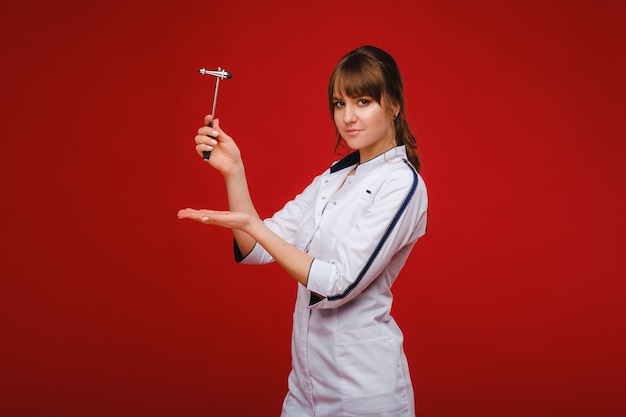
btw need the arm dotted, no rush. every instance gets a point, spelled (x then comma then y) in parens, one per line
(226, 158)
(243, 219)
(239, 200)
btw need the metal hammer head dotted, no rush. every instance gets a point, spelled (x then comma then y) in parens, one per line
(219, 73)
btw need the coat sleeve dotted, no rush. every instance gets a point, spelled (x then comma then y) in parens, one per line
(389, 228)
(284, 223)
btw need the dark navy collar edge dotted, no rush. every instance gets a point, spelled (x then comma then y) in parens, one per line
(348, 161)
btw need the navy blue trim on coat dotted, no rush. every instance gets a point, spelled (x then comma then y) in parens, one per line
(314, 299)
(382, 241)
(346, 162)
(238, 255)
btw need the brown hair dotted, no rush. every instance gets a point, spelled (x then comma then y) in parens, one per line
(372, 72)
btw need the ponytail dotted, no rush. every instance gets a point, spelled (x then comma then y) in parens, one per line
(405, 137)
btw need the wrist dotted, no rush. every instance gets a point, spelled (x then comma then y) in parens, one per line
(253, 225)
(237, 171)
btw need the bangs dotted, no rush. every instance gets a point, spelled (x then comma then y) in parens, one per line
(358, 77)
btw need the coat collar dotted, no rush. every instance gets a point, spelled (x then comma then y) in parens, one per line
(350, 160)
(353, 159)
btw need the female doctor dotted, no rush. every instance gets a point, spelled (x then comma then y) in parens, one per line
(345, 239)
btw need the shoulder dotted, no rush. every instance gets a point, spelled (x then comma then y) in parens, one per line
(401, 171)
(400, 180)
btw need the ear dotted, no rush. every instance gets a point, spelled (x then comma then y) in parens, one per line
(394, 106)
(395, 109)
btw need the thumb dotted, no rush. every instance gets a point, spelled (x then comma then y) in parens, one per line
(207, 119)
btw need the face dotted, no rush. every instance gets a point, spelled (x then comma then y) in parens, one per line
(364, 125)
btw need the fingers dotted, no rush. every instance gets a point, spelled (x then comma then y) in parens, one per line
(210, 129)
(206, 138)
(209, 137)
(214, 131)
(201, 216)
(228, 219)
(206, 142)
(205, 216)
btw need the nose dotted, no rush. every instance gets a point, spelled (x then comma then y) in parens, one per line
(349, 114)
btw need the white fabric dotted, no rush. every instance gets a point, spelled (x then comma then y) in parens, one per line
(347, 356)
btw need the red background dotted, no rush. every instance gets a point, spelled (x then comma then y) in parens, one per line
(512, 304)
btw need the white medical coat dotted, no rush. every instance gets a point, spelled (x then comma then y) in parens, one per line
(347, 356)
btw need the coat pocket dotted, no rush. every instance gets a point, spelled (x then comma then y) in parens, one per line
(370, 366)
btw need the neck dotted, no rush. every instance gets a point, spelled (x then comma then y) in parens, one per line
(364, 157)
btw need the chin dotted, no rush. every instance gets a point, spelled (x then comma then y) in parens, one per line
(353, 144)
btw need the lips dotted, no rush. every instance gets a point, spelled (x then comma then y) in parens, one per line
(352, 132)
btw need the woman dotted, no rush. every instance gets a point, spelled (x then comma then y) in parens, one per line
(344, 239)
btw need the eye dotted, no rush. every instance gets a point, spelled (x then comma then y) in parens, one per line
(364, 101)
(339, 104)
